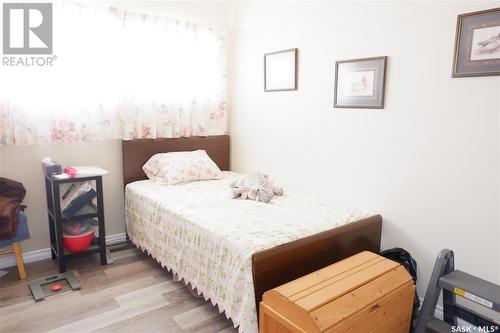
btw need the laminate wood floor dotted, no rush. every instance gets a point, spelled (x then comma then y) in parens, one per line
(134, 294)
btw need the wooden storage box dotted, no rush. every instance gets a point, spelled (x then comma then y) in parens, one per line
(363, 293)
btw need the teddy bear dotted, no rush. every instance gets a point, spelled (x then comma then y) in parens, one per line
(255, 186)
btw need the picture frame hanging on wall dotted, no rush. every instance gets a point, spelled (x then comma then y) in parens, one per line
(280, 70)
(360, 83)
(477, 44)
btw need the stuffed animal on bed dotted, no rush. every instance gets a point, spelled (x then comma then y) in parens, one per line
(255, 186)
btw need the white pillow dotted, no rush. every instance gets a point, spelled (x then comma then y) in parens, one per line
(181, 167)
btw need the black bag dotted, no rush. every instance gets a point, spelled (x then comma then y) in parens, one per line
(403, 257)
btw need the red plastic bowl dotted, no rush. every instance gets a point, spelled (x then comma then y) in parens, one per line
(78, 243)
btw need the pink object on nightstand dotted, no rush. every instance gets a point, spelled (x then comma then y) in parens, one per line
(70, 171)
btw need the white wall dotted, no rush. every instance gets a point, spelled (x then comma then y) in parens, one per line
(22, 163)
(428, 162)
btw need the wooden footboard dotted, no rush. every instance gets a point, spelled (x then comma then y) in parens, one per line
(284, 263)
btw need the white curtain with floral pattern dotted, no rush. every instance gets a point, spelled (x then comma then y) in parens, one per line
(117, 75)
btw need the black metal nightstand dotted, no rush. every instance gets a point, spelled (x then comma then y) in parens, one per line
(57, 217)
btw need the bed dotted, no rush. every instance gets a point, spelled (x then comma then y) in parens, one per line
(232, 251)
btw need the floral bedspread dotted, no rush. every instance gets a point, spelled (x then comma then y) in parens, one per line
(200, 233)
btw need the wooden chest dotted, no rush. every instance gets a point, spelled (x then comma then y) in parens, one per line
(363, 293)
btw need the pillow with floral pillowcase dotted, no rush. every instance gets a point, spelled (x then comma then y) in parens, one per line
(181, 167)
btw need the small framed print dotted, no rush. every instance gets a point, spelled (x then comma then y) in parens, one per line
(280, 70)
(360, 83)
(477, 44)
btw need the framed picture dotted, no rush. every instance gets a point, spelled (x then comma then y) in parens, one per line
(477, 44)
(360, 83)
(280, 70)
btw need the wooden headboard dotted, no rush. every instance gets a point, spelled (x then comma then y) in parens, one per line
(138, 152)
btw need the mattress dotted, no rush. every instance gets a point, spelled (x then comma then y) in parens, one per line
(198, 232)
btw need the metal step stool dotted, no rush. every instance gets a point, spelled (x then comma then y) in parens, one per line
(473, 291)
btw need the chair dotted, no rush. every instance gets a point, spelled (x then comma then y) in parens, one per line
(14, 244)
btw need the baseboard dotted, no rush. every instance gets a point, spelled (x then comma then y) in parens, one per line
(37, 255)
(42, 254)
(116, 238)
